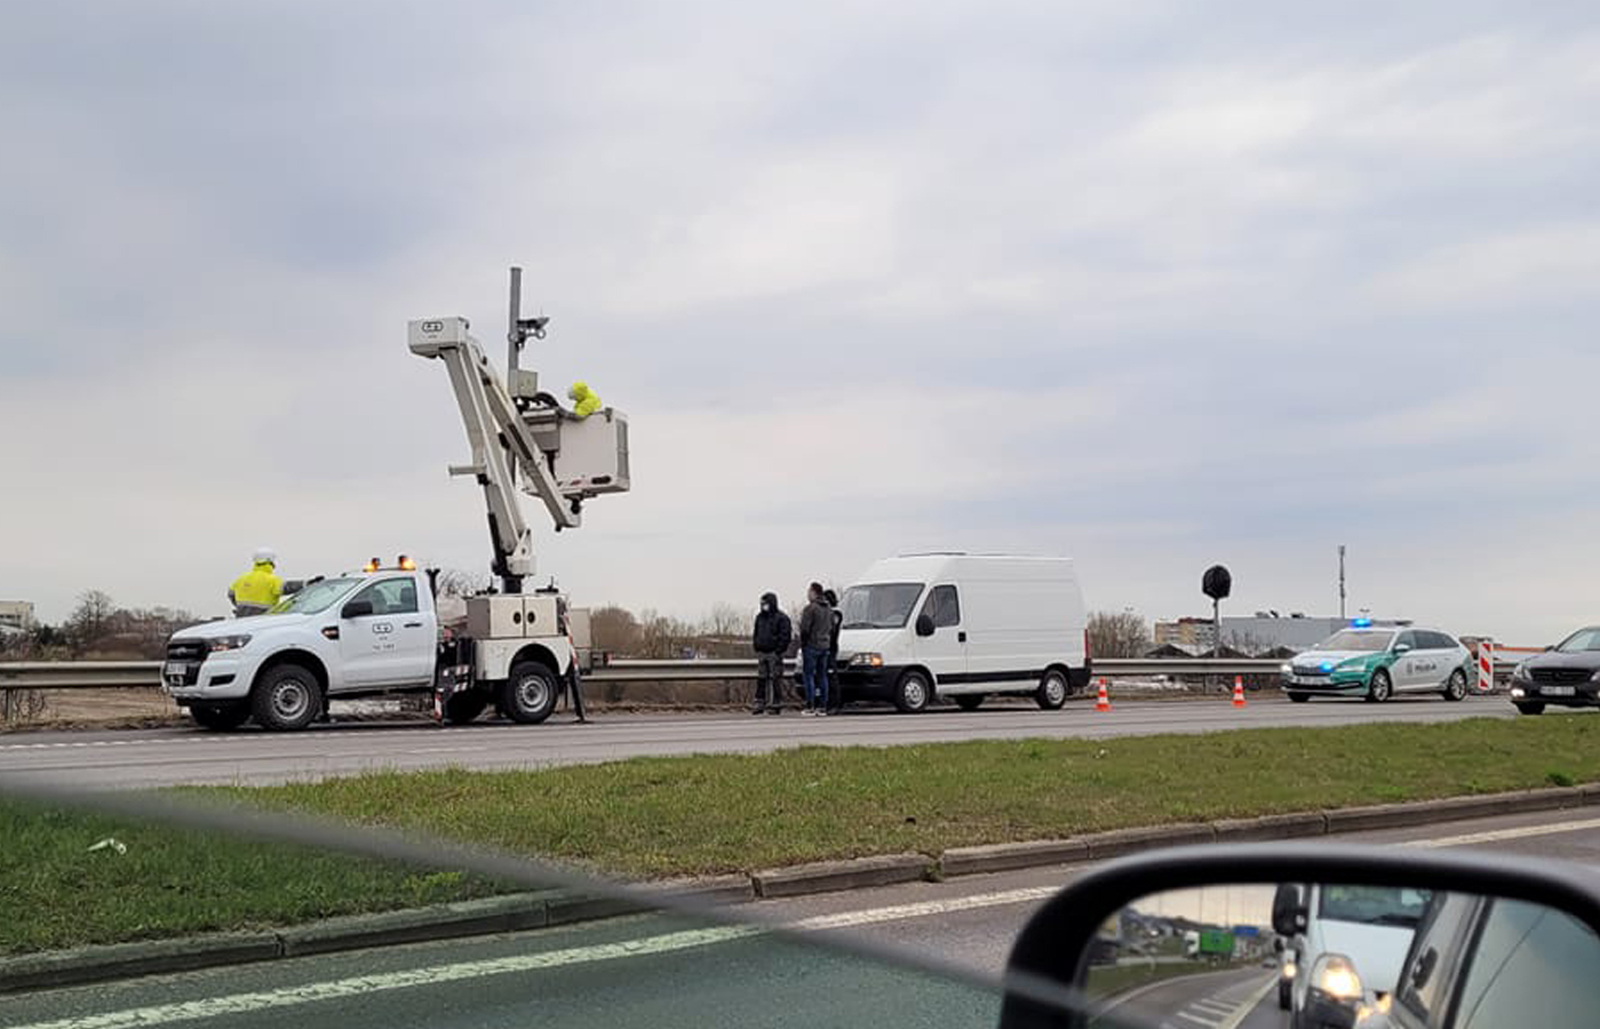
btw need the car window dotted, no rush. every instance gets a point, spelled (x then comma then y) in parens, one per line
(943, 606)
(391, 597)
(1425, 977)
(1583, 639)
(1522, 969)
(1406, 639)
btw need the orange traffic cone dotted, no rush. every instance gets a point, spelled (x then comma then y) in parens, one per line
(1238, 691)
(1102, 702)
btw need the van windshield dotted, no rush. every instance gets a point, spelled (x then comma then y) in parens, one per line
(1373, 905)
(883, 605)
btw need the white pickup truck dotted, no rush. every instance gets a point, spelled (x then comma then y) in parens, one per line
(368, 633)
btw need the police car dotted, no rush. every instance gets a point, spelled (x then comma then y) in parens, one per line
(1376, 662)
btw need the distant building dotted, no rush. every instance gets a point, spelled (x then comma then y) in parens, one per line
(16, 615)
(1191, 635)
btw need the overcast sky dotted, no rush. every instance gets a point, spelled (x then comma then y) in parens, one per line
(1154, 285)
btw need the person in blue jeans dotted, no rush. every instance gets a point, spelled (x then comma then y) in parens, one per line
(816, 637)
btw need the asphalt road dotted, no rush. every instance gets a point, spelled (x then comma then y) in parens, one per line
(651, 971)
(158, 757)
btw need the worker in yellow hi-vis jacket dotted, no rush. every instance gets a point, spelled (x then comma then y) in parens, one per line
(585, 401)
(258, 590)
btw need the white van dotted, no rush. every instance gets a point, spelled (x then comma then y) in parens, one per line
(963, 626)
(1347, 945)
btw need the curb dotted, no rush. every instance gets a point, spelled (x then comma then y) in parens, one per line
(522, 911)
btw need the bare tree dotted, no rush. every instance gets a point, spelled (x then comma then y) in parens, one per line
(725, 620)
(1118, 634)
(457, 582)
(615, 630)
(90, 619)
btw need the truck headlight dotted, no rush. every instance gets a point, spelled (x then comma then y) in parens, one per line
(1286, 669)
(866, 660)
(1334, 976)
(228, 643)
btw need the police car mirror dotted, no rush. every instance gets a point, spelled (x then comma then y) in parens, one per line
(1402, 648)
(357, 609)
(924, 625)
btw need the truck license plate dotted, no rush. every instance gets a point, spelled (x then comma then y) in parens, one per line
(1557, 691)
(175, 673)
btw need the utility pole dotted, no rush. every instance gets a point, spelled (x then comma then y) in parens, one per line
(1341, 582)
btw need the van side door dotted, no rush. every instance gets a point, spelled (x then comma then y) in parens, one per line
(944, 652)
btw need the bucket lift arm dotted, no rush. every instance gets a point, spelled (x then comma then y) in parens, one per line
(502, 445)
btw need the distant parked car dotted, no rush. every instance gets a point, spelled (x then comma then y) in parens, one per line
(1567, 674)
(1377, 662)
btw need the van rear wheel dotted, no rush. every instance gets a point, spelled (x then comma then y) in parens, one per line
(913, 692)
(463, 707)
(1052, 691)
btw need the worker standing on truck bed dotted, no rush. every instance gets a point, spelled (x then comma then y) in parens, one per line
(258, 590)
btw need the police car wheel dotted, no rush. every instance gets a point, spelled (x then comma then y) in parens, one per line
(286, 697)
(463, 707)
(530, 695)
(220, 717)
(1299, 698)
(1381, 688)
(1456, 688)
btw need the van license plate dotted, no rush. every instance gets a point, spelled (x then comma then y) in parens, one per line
(1557, 691)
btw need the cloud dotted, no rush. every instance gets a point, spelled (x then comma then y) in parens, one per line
(1147, 284)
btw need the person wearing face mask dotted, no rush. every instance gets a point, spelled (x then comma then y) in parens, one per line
(773, 632)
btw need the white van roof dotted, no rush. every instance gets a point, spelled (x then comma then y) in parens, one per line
(942, 564)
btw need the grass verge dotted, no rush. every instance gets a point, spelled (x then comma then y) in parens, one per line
(706, 814)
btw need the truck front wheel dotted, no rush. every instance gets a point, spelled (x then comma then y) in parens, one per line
(220, 717)
(530, 694)
(286, 696)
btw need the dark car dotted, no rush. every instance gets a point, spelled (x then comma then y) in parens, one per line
(1567, 674)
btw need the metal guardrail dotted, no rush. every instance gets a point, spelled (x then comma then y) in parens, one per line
(63, 675)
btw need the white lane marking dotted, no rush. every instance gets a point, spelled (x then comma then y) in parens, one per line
(1214, 1007)
(289, 996)
(923, 909)
(1495, 835)
(1243, 1010)
(1209, 1023)
(242, 1003)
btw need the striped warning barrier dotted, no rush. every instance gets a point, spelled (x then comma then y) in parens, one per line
(1485, 666)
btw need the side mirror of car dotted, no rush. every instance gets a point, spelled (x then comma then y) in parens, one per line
(1217, 911)
(356, 609)
(1402, 648)
(925, 625)
(292, 586)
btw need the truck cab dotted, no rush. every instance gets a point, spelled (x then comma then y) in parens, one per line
(368, 633)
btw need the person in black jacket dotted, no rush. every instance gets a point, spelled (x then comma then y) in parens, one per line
(836, 619)
(773, 632)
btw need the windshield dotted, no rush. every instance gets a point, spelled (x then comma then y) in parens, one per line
(314, 599)
(1357, 639)
(1372, 905)
(1582, 641)
(880, 605)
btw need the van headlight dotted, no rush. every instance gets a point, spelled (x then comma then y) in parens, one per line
(866, 660)
(1288, 970)
(228, 643)
(1334, 976)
